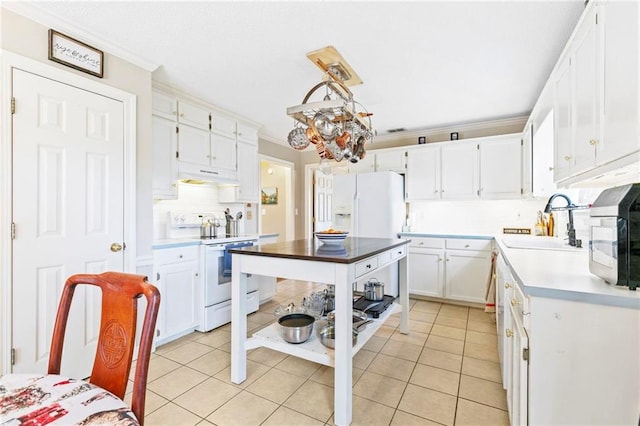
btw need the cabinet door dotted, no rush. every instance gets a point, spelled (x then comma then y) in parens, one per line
(426, 272)
(193, 115)
(223, 152)
(621, 69)
(459, 170)
(394, 161)
(247, 133)
(165, 149)
(422, 180)
(517, 392)
(179, 281)
(247, 171)
(363, 166)
(223, 125)
(501, 168)
(193, 146)
(587, 92)
(563, 133)
(164, 105)
(527, 161)
(466, 275)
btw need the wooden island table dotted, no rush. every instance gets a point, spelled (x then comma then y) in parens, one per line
(309, 260)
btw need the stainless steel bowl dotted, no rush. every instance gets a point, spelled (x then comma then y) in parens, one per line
(296, 328)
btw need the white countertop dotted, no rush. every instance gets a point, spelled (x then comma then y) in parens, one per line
(556, 274)
(563, 274)
(190, 241)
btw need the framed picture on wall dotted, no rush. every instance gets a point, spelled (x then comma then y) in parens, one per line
(75, 54)
(269, 195)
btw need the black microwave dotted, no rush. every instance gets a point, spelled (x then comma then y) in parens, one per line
(614, 239)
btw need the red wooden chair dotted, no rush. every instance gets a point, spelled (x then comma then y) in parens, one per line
(114, 354)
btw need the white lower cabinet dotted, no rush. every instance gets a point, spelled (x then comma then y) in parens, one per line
(455, 269)
(176, 273)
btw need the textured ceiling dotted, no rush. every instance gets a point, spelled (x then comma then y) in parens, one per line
(424, 64)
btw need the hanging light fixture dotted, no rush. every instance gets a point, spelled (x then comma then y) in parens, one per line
(337, 125)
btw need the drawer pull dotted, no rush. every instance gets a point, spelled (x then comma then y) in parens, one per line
(368, 266)
(508, 332)
(180, 256)
(507, 285)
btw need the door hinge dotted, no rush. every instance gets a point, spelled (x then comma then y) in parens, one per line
(157, 333)
(13, 356)
(177, 129)
(596, 19)
(525, 354)
(157, 276)
(478, 147)
(13, 105)
(521, 191)
(177, 154)
(124, 246)
(13, 230)
(521, 142)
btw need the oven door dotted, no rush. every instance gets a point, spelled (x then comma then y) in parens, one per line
(217, 287)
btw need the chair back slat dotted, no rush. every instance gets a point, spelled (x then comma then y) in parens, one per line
(116, 341)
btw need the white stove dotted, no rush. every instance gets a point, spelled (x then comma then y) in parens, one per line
(184, 224)
(215, 308)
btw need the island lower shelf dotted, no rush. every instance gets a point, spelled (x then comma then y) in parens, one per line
(312, 349)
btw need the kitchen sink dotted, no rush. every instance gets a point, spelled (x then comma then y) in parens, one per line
(538, 243)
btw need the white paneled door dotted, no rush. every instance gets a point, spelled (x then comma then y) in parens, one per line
(68, 211)
(322, 200)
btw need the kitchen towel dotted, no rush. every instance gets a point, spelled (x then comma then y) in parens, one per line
(490, 296)
(226, 260)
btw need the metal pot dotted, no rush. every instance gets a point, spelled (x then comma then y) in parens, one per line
(328, 336)
(296, 328)
(374, 290)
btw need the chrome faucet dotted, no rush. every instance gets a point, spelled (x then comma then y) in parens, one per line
(570, 207)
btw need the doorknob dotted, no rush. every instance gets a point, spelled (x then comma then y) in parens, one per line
(115, 247)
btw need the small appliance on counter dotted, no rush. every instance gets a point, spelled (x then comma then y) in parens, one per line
(614, 244)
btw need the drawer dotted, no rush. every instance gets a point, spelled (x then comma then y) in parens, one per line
(384, 258)
(468, 244)
(176, 254)
(366, 265)
(425, 242)
(398, 252)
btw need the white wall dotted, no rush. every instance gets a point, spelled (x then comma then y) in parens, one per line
(489, 217)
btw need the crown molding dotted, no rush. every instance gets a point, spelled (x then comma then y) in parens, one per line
(31, 11)
(464, 127)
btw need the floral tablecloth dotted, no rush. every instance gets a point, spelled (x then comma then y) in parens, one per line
(31, 399)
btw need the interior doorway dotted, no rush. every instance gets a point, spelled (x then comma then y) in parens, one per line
(277, 204)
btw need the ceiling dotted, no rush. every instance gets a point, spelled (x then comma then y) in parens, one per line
(424, 64)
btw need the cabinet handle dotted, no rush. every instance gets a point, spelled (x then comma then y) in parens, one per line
(439, 259)
(435, 192)
(567, 158)
(448, 259)
(508, 332)
(514, 302)
(421, 244)
(466, 246)
(593, 142)
(507, 285)
(175, 113)
(368, 266)
(197, 275)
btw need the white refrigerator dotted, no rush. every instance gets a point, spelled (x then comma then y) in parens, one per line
(371, 205)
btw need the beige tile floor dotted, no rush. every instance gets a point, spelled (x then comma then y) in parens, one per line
(445, 372)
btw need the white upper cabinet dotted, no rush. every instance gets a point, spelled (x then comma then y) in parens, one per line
(422, 181)
(596, 94)
(586, 60)
(193, 115)
(164, 105)
(247, 133)
(223, 125)
(459, 170)
(165, 147)
(621, 105)
(501, 167)
(527, 160)
(393, 160)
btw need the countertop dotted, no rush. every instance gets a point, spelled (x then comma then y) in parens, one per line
(555, 274)
(351, 250)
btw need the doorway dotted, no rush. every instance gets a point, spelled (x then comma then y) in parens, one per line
(277, 204)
